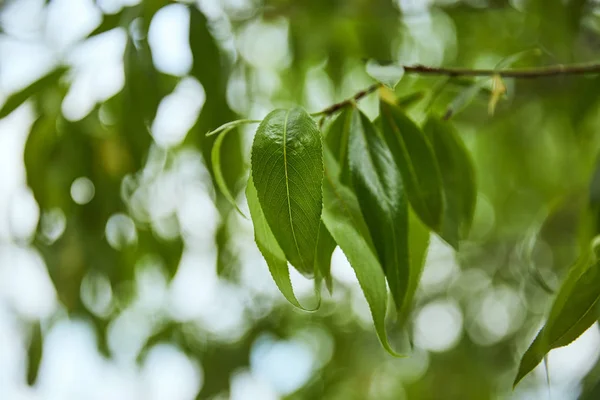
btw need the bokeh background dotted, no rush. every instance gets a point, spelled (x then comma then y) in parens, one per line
(125, 275)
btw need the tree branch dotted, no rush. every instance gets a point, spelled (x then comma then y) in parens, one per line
(520, 73)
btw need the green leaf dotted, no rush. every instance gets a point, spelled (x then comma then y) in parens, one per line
(287, 169)
(411, 99)
(34, 353)
(414, 157)
(389, 74)
(325, 247)
(343, 219)
(418, 242)
(16, 99)
(574, 310)
(378, 187)
(337, 139)
(216, 164)
(458, 179)
(464, 98)
(269, 248)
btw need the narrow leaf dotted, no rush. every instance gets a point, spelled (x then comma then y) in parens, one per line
(337, 139)
(287, 169)
(574, 310)
(325, 247)
(458, 179)
(380, 193)
(418, 242)
(414, 157)
(16, 99)
(34, 353)
(215, 157)
(343, 219)
(269, 248)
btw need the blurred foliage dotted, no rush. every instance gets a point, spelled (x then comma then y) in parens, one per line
(534, 160)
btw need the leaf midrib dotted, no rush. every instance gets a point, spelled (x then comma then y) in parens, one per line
(287, 187)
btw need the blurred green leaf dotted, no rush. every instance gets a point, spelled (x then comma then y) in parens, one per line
(16, 99)
(574, 310)
(458, 179)
(343, 219)
(287, 170)
(389, 74)
(270, 249)
(34, 353)
(378, 187)
(414, 157)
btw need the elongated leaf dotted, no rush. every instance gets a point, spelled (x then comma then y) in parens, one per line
(342, 216)
(380, 193)
(418, 242)
(416, 161)
(34, 353)
(458, 179)
(337, 139)
(287, 169)
(16, 99)
(216, 164)
(325, 247)
(574, 310)
(269, 248)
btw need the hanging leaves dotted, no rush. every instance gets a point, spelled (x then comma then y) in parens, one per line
(458, 179)
(380, 193)
(337, 138)
(416, 161)
(287, 169)
(343, 219)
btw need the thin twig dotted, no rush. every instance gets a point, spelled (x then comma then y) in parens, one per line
(520, 73)
(338, 106)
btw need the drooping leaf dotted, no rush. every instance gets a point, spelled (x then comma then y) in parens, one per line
(325, 247)
(378, 187)
(574, 310)
(269, 248)
(343, 219)
(415, 158)
(287, 169)
(34, 353)
(388, 74)
(418, 242)
(16, 99)
(337, 138)
(216, 165)
(458, 179)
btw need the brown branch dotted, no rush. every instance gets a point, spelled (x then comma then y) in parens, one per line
(521, 73)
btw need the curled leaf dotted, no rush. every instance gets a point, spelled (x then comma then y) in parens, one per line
(215, 157)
